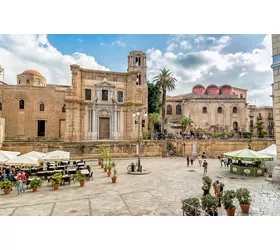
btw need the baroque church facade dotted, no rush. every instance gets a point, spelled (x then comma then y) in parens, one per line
(98, 105)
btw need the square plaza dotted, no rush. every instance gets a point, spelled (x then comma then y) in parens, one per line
(156, 194)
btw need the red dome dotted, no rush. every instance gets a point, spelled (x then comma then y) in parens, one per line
(213, 90)
(32, 72)
(198, 89)
(226, 90)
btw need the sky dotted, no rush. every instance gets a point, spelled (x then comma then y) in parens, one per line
(238, 60)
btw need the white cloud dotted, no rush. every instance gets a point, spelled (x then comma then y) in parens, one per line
(211, 66)
(118, 43)
(185, 45)
(171, 46)
(21, 52)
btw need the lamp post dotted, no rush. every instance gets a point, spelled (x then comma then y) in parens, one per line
(139, 123)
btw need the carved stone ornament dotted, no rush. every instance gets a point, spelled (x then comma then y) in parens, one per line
(69, 92)
(138, 95)
(104, 113)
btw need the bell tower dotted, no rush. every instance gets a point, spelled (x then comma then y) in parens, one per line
(137, 63)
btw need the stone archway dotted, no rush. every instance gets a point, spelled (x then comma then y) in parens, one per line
(235, 126)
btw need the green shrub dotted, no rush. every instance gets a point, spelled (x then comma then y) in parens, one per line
(208, 201)
(190, 206)
(247, 134)
(36, 182)
(6, 184)
(56, 179)
(147, 135)
(243, 196)
(227, 199)
(79, 176)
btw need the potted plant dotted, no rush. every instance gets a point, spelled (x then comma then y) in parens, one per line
(227, 200)
(6, 186)
(244, 198)
(80, 177)
(36, 183)
(99, 160)
(208, 201)
(56, 180)
(114, 178)
(191, 206)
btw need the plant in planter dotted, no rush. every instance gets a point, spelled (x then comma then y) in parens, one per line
(114, 178)
(191, 206)
(227, 200)
(56, 180)
(208, 201)
(100, 159)
(80, 177)
(36, 183)
(244, 198)
(6, 186)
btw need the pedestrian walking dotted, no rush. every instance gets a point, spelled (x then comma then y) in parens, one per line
(19, 185)
(192, 159)
(205, 165)
(199, 160)
(188, 161)
(205, 189)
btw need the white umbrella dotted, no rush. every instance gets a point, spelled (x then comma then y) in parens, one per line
(35, 154)
(10, 154)
(23, 160)
(56, 155)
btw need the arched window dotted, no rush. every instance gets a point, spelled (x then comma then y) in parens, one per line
(63, 109)
(169, 109)
(0, 106)
(204, 110)
(42, 107)
(220, 110)
(21, 104)
(178, 110)
(234, 110)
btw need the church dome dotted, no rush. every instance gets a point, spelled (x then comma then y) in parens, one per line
(32, 72)
(226, 90)
(198, 89)
(213, 90)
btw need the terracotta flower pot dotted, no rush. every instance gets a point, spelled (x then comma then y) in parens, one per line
(105, 170)
(245, 208)
(35, 189)
(102, 166)
(56, 186)
(6, 190)
(82, 183)
(99, 163)
(109, 173)
(114, 179)
(231, 212)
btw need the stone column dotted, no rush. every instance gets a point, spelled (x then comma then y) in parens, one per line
(276, 101)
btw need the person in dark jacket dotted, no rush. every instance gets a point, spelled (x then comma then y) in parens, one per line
(213, 212)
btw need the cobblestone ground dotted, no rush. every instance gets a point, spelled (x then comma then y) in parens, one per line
(158, 193)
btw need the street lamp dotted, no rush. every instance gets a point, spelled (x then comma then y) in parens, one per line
(139, 123)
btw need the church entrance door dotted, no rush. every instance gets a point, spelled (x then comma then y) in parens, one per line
(104, 128)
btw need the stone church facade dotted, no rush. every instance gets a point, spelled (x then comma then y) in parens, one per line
(98, 105)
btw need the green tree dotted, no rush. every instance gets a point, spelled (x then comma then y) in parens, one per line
(154, 98)
(153, 118)
(259, 126)
(164, 81)
(185, 122)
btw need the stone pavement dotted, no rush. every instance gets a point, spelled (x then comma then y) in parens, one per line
(158, 193)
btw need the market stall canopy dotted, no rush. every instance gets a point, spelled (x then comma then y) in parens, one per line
(23, 160)
(271, 150)
(56, 155)
(35, 154)
(9, 154)
(248, 155)
(3, 158)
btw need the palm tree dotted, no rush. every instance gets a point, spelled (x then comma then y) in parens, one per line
(185, 122)
(164, 81)
(153, 119)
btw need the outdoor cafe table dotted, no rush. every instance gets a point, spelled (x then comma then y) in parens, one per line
(85, 172)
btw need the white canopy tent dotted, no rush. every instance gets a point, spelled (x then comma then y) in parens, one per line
(272, 151)
(23, 160)
(56, 156)
(3, 158)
